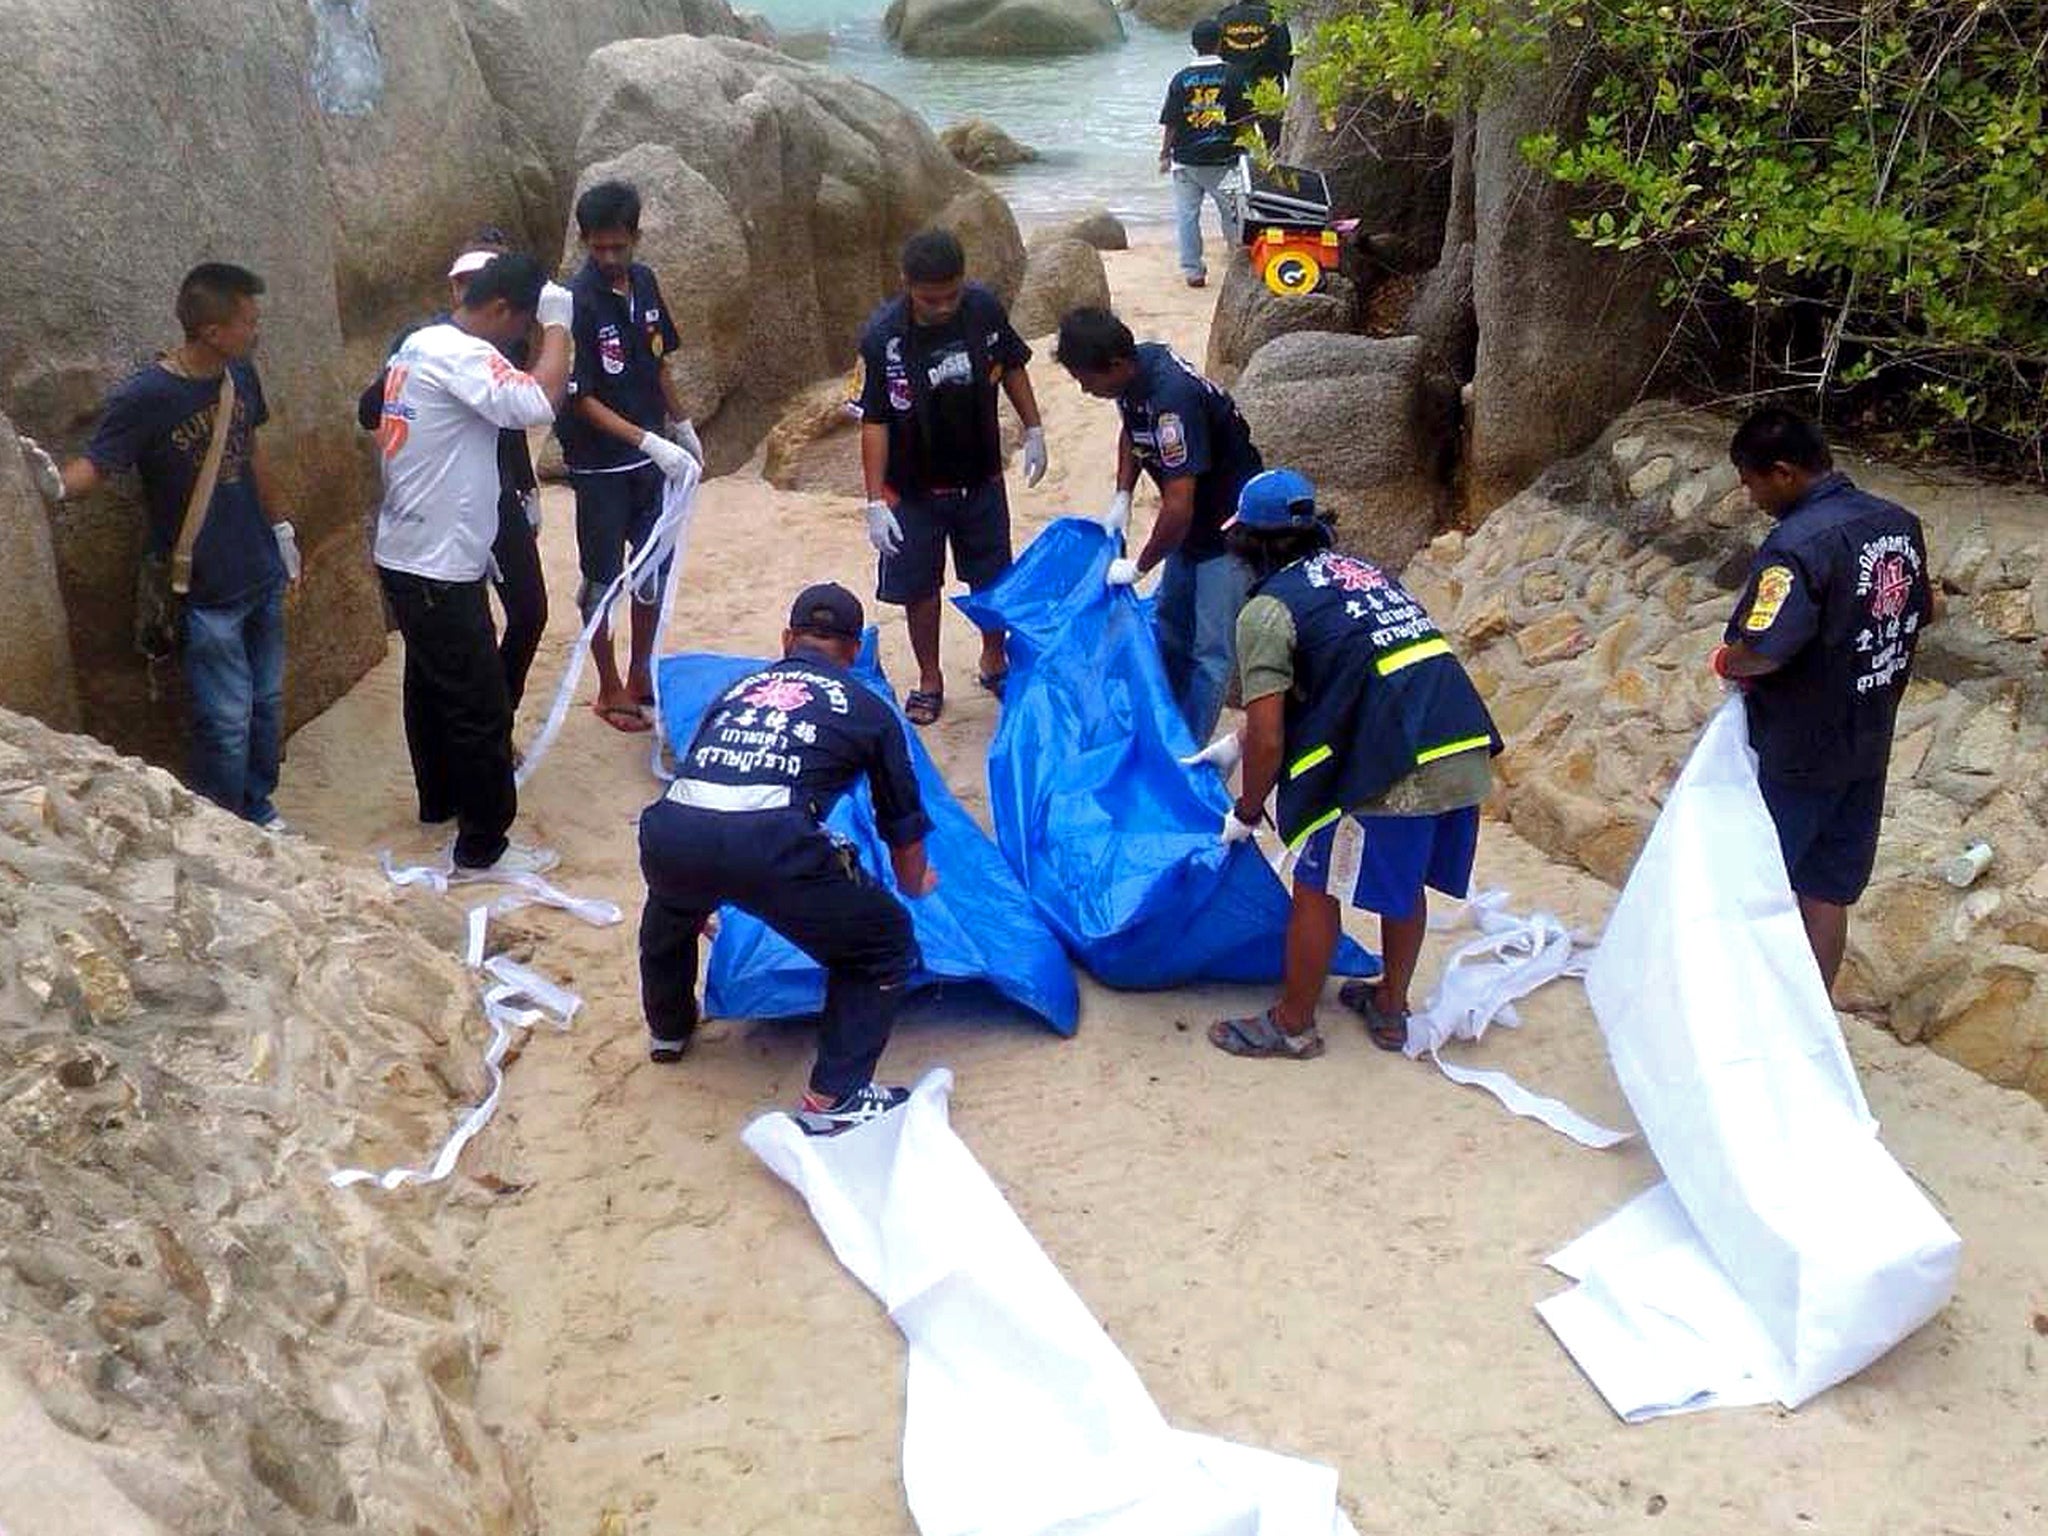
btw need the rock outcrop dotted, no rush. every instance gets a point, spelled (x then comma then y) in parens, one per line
(1059, 275)
(779, 197)
(198, 1023)
(1373, 423)
(1095, 226)
(980, 145)
(1249, 314)
(1172, 15)
(1585, 609)
(1002, 28)
(815, 446)
(35, 649)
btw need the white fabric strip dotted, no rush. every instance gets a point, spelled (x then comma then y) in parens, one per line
(526, 890)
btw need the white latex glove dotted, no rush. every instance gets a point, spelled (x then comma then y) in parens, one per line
(530, 505)
(1226, 752)
(1121, 573)
(1034, 455)
(671, 460)
(1118, 517)
(884, 532)
(557, 307)
(288, 550)
(48, 477)
(1234, 831)
(685, 435)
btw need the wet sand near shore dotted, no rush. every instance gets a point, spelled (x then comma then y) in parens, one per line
(1337, 1259)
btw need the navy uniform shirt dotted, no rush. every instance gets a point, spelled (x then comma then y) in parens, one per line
(808, 726)
(1256, 41)
(934, 387)
(1205, 103)
(620, 340)
(1180, 425)
(160, 423)
(1837, 596)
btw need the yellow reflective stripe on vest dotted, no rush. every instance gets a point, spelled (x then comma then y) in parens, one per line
(1309, 759)
(1452, 749)
(1313, 828)
(1408, 655)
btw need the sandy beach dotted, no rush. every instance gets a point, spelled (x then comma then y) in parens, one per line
(1336, 1259)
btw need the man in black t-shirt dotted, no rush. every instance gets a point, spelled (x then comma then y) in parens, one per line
(160, 423)
(1822, 643)
(1205, 108)
(1257, 44)
(743, 825)
(931, 448)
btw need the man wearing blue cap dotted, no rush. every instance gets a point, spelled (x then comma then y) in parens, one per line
(1359, 715)
(744, 825)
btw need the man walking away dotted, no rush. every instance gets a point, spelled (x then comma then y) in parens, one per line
(744, 824)
(515, 555)
(1379, 745)
(931, 449)
(1822, 642)
(1189, 437)
(449, 391)
(625, 433)
(238, 552)
(1205, 106)
(1260, 47)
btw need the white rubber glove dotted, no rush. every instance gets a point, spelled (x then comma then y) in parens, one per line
(671, 460)
(288, 549)
(1226, 752)
(884, 532)
(1121, 573)
(48, 477)
(1034, 455)
(1234, 831)
(1118, 517)
(530, 505)
(557, 307)
(685, 436)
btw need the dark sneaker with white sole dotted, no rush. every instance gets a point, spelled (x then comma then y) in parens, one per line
(666, 1051)
(856, 1108)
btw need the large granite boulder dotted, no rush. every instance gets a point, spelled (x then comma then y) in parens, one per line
(1002, 28)
(35, 647)
(981, 145)
(1172, 15)
(1059, 275)
(1095, 226)
(786, 193)
(1249, 314)
(1373, 422)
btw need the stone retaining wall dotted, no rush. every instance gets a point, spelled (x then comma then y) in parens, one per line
(1586, 607)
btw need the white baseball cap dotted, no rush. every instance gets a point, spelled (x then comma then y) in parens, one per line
(472, 261)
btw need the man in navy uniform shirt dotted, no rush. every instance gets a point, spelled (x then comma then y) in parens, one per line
(1205, 107)
(1188, 436)
(623, 433)
(1821, 643)
(744, 825)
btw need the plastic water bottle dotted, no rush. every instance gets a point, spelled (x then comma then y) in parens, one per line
(1962, 870)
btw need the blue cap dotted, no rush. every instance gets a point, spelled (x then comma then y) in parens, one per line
(1276, 498)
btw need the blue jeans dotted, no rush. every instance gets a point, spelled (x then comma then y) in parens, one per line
(234, 670)
(1196, 621)
(1192, 183)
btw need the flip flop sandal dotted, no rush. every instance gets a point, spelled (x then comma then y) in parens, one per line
(1387, 1031)
(922, 708)
(1261, 1035)
(623, 718)
(993, 681)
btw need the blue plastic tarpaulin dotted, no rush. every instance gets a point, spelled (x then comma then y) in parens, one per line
(977, 927)
(1114, 839)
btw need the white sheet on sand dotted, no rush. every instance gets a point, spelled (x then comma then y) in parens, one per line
(1021, 1417)
(1787, 1250)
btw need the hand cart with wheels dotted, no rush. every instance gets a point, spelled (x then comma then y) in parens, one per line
(1283, 214)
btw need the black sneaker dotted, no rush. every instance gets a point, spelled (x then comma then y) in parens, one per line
(857, 1108)
(666, 1051)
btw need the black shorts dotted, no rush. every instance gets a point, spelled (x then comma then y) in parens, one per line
(976, 523)
(615, 513)
(1828, 833)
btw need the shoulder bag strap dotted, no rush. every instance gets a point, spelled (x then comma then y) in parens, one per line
(202, 488)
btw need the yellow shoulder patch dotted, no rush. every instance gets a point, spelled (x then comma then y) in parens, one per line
(1772, 588)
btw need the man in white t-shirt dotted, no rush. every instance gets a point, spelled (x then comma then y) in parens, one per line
(448, 391)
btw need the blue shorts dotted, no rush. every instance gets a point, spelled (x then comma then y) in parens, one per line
(1381, 863)
(614, 514)
(1828, 833)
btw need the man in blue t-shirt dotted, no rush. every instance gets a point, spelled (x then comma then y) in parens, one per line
(1206, 106)
(1189, 437)
(1821, 643)
(160, 422)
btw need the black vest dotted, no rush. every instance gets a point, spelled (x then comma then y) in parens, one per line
(1377, 692)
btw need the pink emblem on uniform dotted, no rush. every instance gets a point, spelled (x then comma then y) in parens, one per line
(1891, 587)
(781, 693)
(1354, 575)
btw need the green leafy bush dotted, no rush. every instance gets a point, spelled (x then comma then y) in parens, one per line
(1852, 199)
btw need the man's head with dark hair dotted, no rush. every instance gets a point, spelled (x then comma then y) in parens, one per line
(825, 620)
(934, 275)
(1207, 36)
(608, 224)
(501, 298)
(1098, 350)
(1266, 550)
(1778, 454)
(475, 255)
(217, 308)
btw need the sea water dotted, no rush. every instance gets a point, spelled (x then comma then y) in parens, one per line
(1094, 117)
